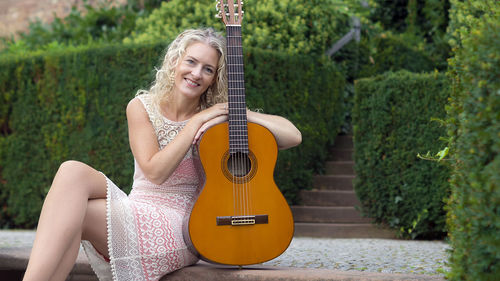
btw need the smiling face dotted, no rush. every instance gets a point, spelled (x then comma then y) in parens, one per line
(196, 71)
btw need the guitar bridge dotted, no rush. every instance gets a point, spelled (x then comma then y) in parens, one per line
(242, 220)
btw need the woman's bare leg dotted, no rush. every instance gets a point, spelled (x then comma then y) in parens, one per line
(94, 230)
(61, 219)
(95, 227)
(68, 260)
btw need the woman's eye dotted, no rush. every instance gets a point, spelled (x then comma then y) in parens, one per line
(190, 61)
(209, 70)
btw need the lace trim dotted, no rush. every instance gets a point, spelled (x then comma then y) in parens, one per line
(108, 225)
(166, 130)
(100, 267)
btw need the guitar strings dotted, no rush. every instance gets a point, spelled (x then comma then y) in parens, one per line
(239, 158)
(233, 155)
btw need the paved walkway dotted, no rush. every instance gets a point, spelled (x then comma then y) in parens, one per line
(372, 255)
(361, 255)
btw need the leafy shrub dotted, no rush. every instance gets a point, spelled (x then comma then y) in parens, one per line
(420, 23)
(71, 105)
(392, 124)
(98, 24)
(392, 53)
(428, 17)
(294, 26)
(474, 130)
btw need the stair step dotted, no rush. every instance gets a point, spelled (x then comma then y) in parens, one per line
(343, 141)
(318, 214)
(333, 182)
(343, 230)
(339, 168)
(329, 198)
(341, 154)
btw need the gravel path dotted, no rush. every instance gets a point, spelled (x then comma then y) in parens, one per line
(372, 255)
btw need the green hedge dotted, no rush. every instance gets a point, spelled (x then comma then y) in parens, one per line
(474, 128)
(392, 124)
(71, 105)
(392, 53)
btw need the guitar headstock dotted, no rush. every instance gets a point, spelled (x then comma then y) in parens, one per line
(231, 11)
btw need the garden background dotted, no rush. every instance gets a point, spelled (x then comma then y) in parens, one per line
(419, 93)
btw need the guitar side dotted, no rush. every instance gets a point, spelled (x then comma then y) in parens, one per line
(217, 229)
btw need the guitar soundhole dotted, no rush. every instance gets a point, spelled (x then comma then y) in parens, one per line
(239, 167)
(239, 164)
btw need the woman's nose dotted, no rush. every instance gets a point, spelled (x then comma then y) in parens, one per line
(196, 72)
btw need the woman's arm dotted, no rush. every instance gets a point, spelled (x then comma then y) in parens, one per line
(157, 164)
(285, 133)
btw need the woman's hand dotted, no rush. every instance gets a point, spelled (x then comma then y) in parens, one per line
(210, 117)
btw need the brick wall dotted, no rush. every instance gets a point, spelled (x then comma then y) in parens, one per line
(15, 15)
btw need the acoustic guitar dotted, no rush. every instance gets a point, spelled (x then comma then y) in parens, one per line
(240, 216)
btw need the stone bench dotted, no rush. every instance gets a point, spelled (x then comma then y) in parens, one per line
(13, 262)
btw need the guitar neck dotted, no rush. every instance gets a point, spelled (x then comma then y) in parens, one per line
(238, 131)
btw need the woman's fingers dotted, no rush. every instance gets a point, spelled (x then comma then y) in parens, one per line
(217, 120)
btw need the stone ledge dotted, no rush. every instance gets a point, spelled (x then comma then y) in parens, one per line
(16, 259)
(208, 272)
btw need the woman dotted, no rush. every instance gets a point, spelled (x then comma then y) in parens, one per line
(139, 236)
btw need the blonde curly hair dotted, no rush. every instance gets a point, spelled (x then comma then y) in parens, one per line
(161, 89)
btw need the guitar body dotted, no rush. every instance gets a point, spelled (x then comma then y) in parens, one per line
(240, 216)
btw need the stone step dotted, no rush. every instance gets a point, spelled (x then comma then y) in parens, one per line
(333, 182)
(318, 214)
(343, 141)
(339, 168)
(13, 263)
(328, 198)
(341, 154)
(342, 230)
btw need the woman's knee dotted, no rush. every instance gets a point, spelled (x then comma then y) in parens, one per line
(78, 175)
(73, 167)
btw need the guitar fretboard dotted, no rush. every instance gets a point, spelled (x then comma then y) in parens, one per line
(238, 132)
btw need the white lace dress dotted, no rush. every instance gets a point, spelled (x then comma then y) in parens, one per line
(145, 237)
